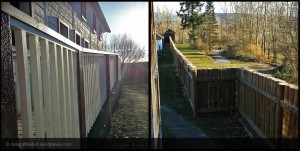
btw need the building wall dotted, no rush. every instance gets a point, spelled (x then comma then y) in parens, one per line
(70, 13)
(159, 45)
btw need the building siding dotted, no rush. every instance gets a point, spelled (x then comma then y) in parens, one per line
(70, 14)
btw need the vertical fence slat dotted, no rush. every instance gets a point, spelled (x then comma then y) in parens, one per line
(36, 80)
(87, 95)
(98, 86)
(291, 115)
(55, 90)
(295, 120)
(85, 82)
(279, 110)
(285, 113)
(78, 79)
(62, 92)
(45, 64)
(67, 92)
(93, 89)
(72, 97)
(24, 83)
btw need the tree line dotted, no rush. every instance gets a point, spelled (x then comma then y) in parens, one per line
(265, 31)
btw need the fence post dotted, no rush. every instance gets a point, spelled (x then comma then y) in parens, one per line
(8, 100)
(279, 110)
(194, 90)
(108, 86)
(81, 105)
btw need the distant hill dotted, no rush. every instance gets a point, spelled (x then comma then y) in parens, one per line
(230, 16)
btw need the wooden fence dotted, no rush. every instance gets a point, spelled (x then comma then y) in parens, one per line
(155, 116)
(187, 74)
(216, 90)
(137, 72)
(61, 88)
(269, 105)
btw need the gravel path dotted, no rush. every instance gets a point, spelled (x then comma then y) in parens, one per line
(130, 120)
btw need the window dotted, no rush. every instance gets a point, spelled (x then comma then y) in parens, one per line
(86, 44)
(25, 7)
(83, 10)
(63, 29)
(94, 23)
(13, 40)
(77, 38)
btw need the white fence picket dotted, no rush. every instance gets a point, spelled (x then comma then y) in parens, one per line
(55, 90)
(62, 93)
(45, 63)
(24, 83)
(72, 98)
(76, 104)
(54, 86)
(36, 81)
(67, 92)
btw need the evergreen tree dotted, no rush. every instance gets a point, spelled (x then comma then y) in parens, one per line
(190, 17)
(209, 34)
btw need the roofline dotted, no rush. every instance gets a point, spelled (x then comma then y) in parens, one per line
(99, 11)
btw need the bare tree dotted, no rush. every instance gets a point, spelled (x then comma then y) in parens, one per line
(126, 47)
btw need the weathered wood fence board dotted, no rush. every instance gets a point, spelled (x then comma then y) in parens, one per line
(137, 72)
(268, 104)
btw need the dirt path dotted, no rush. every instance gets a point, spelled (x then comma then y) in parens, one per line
(218, 59)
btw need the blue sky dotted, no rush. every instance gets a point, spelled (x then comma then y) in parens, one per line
(129, 17)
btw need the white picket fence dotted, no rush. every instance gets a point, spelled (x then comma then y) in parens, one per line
(47, 87)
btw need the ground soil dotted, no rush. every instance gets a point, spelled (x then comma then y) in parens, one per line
(130, 124)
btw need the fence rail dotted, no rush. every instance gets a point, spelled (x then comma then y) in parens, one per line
(268, 104)
(47, 75)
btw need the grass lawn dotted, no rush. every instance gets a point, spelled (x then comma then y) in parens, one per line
(200, 60)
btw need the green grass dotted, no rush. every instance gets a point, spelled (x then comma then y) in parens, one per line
(200, 60)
